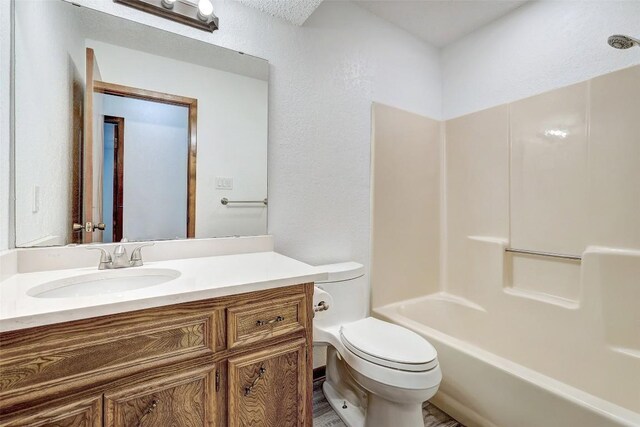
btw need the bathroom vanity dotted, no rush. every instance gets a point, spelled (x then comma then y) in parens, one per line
(235, 350)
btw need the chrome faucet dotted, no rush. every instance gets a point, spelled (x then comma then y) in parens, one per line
(119, 258)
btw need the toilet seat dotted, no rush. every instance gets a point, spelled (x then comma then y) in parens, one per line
(388, 345)
(401, 378)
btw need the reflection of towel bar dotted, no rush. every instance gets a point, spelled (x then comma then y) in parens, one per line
(226, 201)
(549, 254)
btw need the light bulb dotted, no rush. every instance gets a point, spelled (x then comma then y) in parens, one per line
(205, 9)
(168, 3)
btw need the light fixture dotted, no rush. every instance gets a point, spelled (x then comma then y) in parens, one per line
(195, 13)
(168, 3)
(205, 9)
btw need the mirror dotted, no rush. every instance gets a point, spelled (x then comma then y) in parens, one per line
(127, 131)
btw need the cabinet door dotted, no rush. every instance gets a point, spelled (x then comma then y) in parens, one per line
(187, 399)
(268, 387)
(79, 413)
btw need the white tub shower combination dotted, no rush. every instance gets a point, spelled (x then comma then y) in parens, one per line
(523, 340)
(517, 360)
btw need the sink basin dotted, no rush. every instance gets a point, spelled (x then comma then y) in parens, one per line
(104, 282)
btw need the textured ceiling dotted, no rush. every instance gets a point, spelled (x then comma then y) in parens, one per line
(294, 11)
(440, 22)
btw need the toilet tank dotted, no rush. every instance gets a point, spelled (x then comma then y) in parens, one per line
(347, 285)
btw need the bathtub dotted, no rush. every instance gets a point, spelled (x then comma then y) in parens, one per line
(483, 388)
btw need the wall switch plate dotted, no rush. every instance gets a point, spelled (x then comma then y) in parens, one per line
(224, 183)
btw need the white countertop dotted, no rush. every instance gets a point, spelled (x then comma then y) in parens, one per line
(201, 278)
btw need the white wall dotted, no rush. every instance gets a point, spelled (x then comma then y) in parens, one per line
(44, 147)
(155, 167)
(324, 76)
(6, 223)
(232, 131)
(541, 46)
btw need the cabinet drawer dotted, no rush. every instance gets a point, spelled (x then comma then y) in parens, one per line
(73, 413)
(87, 356)
(251, 323)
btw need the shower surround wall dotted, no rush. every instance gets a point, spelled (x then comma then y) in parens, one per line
(556, 172)
(405, 142)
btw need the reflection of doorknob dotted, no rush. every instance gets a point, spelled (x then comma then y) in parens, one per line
(89, 227)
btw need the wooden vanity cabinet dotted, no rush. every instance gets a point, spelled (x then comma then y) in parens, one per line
(242, 360)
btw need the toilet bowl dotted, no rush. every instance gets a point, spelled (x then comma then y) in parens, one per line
(378, 374)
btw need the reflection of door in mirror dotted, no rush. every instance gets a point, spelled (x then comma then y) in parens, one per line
(145, 164)
(91, 115)
(113, 178)
(144, 189)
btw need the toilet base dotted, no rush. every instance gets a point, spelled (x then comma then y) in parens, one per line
(352, 415)
(361, 401)
(380, 412)
(383, 413)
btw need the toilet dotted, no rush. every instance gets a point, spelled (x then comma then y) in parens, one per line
(378, 374)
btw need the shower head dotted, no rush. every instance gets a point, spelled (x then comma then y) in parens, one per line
(619, 41)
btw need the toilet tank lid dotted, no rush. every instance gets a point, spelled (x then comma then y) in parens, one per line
(341, 271)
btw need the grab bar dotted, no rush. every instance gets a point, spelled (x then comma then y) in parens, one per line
(226, 201)
(548, 254)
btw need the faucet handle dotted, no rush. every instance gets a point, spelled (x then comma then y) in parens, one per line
(136, 255)
(105, 257)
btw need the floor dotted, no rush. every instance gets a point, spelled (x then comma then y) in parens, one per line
(324, 415)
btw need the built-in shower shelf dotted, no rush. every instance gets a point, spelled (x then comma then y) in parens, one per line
(627, 351)
(552, 279)
(543, 297)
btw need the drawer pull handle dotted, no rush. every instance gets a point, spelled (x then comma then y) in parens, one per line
(261, 372)
(269, 322)
(152, 407)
